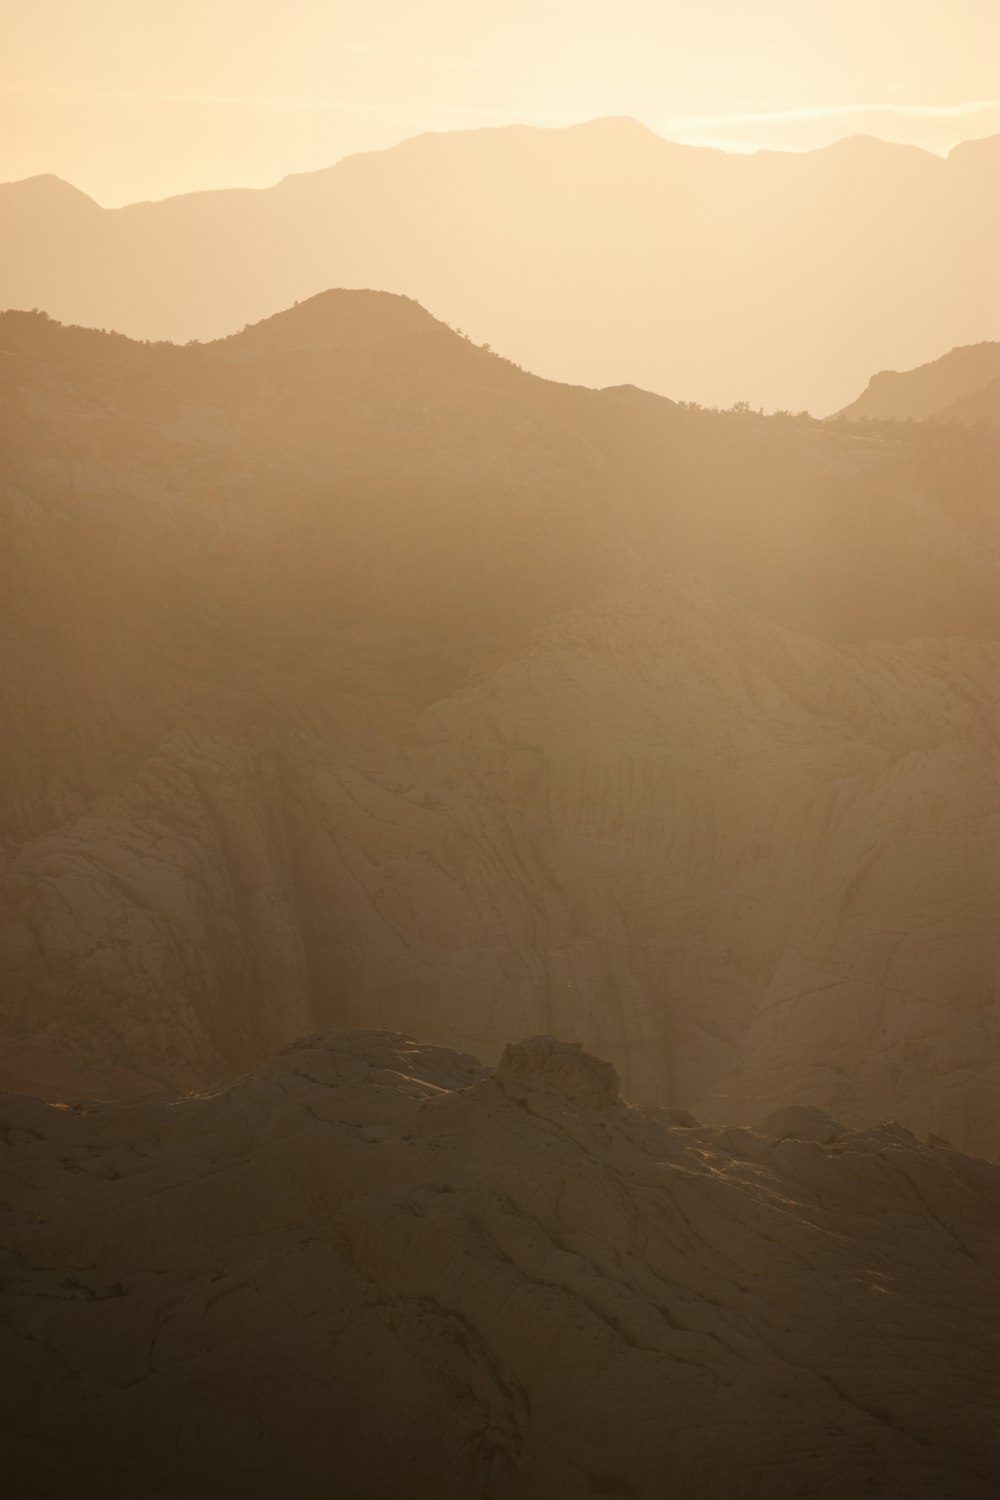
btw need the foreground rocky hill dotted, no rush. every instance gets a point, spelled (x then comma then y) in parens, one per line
(353, 677)
(376, 1269)
(599, 253)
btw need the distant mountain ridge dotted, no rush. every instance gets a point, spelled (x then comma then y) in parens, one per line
(962, 386)
(599, 254)
(982, 405)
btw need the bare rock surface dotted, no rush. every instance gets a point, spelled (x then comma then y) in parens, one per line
(374, 1269)
(791, 844)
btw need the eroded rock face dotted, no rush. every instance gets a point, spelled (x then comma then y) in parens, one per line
(370, 1271)
(352, 678)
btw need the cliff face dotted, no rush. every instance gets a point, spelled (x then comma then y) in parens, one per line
(355, 678)
(374, 1259)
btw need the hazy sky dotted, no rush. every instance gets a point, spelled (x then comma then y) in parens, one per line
(141, 98)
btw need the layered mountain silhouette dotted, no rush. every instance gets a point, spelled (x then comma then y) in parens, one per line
(378, 1268)
(961, 386)
(354, 678)
(600, 254)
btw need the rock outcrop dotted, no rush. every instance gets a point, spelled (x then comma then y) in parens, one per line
(374, 1270)
(544, 1062)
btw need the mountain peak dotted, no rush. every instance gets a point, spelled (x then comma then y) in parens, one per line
(861, 144)
(46, 187)
(929, 389)
(340, 315)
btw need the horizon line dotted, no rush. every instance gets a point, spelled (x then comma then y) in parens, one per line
(556, 121)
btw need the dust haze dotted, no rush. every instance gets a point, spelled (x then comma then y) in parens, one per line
(500, 811)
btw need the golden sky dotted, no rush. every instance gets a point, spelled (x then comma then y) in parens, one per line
(142, 98)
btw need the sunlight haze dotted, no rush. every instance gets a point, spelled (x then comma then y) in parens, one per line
(499, 750)
(130, 101)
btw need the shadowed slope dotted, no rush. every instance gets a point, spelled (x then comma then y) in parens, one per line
(374, 1269)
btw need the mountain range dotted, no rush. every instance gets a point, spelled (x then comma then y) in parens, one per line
(354, 678)
(599, 254)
